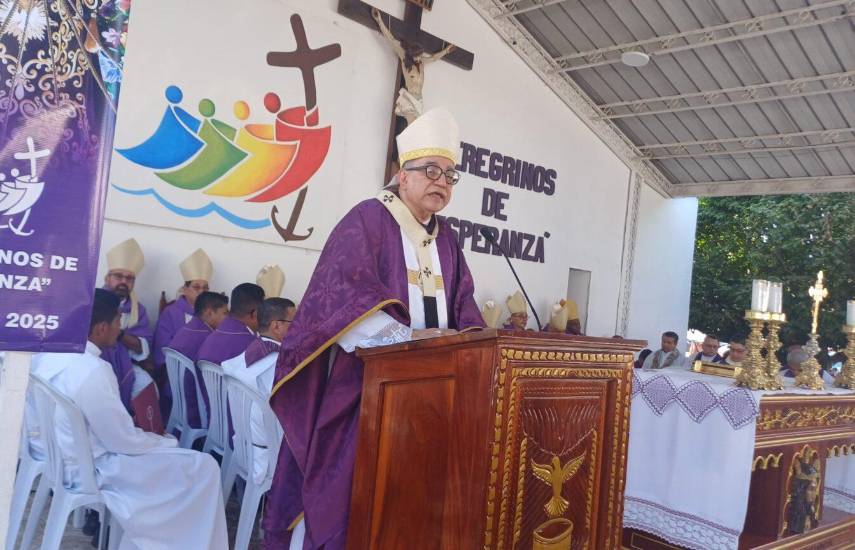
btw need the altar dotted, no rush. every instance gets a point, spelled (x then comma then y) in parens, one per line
(715, 466)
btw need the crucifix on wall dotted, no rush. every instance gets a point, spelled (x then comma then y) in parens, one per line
(415, 48)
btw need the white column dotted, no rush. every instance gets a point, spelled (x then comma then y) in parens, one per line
(14, 374)
(630, 232)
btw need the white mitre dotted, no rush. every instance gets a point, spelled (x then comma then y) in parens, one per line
(127, 256)
(434, 134)
(197, 267)
(272, 279)
(492, 314)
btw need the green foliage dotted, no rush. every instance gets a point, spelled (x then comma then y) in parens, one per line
(787, 238)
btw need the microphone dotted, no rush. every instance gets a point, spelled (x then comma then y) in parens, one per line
(487, 234)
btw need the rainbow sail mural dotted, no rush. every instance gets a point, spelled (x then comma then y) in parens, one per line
(257, 162)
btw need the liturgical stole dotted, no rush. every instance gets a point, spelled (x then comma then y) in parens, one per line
(425, 285)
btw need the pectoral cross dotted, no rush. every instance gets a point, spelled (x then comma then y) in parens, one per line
(818, 293)
(408, 30)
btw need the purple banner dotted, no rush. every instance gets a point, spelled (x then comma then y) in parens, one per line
(60, 71)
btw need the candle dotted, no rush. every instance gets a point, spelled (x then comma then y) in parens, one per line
(759, 295)
(850, 313)
(776, 297)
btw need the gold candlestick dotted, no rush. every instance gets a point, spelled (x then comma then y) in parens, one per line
(753, 374)
(846, 378)
(810, 376)
(773, 368)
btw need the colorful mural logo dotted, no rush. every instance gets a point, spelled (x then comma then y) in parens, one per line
(257, 162)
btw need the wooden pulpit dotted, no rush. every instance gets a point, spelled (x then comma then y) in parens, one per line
(493, 439)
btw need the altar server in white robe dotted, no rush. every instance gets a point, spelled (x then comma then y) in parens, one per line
(162, 496)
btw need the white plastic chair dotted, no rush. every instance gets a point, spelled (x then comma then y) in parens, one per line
(30, 468)
(177, 365)
(85, 491)
(246, 403)
(218, 425)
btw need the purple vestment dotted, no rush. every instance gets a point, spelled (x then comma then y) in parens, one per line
(229, 340)
(361, 267)
(119, 357)
(187, 342)
(172, 318)
(258, 350)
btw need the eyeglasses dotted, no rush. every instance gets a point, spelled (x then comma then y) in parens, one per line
(198, 288)
(284, 320)
(434, 172)
(123, 277)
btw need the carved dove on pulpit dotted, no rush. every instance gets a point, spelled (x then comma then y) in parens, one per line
(556, 476)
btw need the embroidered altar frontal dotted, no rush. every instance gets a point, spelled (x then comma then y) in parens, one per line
(730, 468)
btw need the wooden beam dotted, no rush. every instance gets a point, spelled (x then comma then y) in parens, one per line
(783, 186)
(361, 13)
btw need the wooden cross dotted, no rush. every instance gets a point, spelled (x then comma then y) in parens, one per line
(409, 29)
(306, 59)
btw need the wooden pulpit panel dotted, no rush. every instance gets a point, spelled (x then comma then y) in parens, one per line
(563, 465)
(419, 421)
(492, 440)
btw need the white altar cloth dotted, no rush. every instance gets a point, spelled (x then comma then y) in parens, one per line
(691, 446)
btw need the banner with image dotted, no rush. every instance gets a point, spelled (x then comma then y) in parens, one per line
(60, 73)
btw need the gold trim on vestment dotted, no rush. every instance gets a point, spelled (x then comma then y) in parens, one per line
(427, 152)
(296, 521)
(331, 341)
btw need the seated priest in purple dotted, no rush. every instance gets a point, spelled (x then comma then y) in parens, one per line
(209, 311)
(274, 319)
(709, 350)
(564, 317)
(519, 312)
(133, 347)
(237, 331)
(196, 271)
(391, 271)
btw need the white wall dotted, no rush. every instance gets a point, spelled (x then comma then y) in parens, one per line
(501, 105)
(662, 272)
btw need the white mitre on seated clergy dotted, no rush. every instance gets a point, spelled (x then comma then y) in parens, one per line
(272, 279)
(433, 136)
(492, 314)
(127, 256)
(196, 272)
(559, 317)
(197, 267)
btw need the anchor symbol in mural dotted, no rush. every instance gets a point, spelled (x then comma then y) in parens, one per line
(20, 195)
(307, 60)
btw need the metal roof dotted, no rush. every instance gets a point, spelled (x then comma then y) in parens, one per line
(739, 97)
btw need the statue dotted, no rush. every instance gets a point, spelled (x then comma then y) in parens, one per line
(803, 513)
(413, 58)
